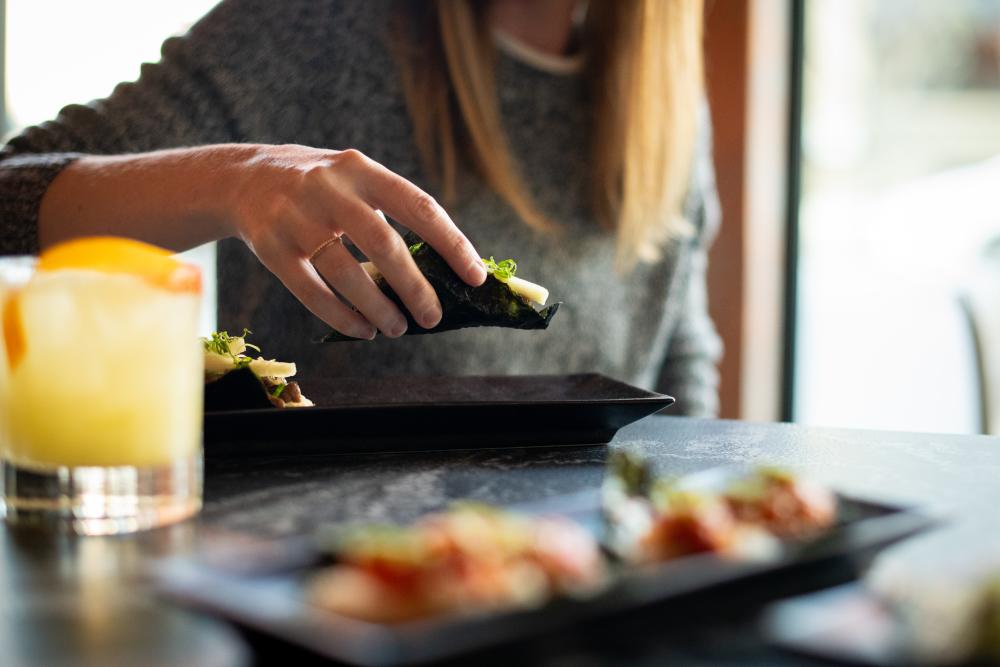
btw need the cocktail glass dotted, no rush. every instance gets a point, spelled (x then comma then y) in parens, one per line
(100, 388)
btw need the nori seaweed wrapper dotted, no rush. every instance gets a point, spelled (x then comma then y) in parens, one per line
(492, 304)
(238, 389)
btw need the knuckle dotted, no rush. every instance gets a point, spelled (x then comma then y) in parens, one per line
(352, 157)
(457, 243)
(383, 241)
(316, 172)
(424, 207)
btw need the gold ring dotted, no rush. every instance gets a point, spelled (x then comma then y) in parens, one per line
(323, 246)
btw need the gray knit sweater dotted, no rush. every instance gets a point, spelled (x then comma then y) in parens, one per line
(320, 73)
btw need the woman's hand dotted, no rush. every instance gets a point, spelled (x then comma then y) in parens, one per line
(290, 201)
(287, 203)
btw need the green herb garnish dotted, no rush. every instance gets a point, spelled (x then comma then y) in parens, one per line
(221, 343)
(416, 246)
(502, 271)
(632, 472)
(277, 390)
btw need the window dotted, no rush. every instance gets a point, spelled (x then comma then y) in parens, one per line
(65, 51)
(900, 166)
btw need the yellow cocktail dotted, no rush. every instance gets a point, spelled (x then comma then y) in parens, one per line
(101, 387)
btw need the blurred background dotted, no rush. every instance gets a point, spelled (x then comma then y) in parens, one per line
(901, 170)
(858, 158)
(858, 151)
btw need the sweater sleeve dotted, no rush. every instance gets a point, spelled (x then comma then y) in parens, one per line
(690, 367)
(182, 100)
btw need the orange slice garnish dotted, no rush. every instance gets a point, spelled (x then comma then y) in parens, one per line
(111, 254)
(106, 254)
(13, 331)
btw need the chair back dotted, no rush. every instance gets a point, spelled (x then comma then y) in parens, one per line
(980, 302)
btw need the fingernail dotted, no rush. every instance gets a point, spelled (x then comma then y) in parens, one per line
(368, 333)
(431, 317)
(397, 328)
(478, 273)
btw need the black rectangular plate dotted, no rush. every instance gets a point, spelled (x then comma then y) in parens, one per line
(433, 413)
(263, 590)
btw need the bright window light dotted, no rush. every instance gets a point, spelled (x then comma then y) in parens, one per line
(61, 52)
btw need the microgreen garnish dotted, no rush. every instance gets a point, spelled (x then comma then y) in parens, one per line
(221, 343)
(277, 390)
(416, 246)
(633, 473)
(502, 271)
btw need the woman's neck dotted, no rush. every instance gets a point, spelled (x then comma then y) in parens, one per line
(545, 25)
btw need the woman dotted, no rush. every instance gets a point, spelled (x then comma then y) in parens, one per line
(281, 127)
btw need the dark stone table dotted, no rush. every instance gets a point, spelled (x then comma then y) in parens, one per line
(85, 601)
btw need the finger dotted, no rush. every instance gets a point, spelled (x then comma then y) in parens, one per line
(281, 252)
(344, 274)
(302, 280)
(418, 211)
(386, 249)
(335, 207)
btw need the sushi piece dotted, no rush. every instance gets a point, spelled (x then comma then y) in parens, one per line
(504, 300)
(469, 559)
(784, 504)
(651, 519)
(236, 381)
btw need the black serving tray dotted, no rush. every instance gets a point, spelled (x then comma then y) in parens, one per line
(260, 586)
(433, 413)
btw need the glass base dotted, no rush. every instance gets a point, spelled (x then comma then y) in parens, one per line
(101, 500)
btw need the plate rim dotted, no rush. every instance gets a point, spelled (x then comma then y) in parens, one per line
(650, 398)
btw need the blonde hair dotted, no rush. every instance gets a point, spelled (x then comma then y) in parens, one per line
(644, 67)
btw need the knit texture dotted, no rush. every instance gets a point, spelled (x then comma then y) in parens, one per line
(320, 73)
